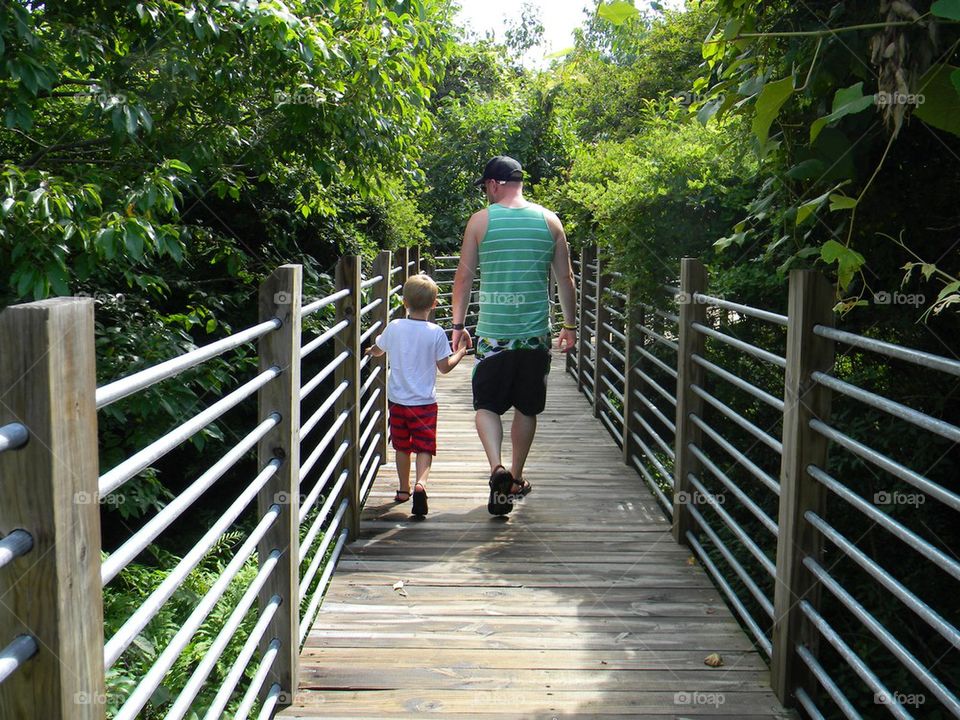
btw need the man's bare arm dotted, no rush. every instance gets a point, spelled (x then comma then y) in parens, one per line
(563, 271)
(466, 270)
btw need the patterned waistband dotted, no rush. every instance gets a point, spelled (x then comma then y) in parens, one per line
(489, 346)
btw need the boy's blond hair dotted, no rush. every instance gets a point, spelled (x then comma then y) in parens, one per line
(419, 292)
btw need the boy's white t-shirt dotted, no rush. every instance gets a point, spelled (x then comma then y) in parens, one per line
(413, 348)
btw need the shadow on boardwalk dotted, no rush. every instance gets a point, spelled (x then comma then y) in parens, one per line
(579, 604)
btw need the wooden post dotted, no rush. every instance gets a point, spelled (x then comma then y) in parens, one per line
(810, 304)
(381, 266)
(693, 279)
(348, 308)
(415, 256)
(633, 315)
(426, 266)
(49, 489)
(568, 365)
(280, 297)
(603, 316)
(405, 257)
(583, 340)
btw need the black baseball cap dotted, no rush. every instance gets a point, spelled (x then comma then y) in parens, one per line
(502, 168)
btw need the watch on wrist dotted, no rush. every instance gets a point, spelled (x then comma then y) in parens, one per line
(457, 326)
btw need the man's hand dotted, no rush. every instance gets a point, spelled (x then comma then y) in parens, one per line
(567, 340)
(461, 336)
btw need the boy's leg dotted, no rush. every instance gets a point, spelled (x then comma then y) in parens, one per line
(403, 470)
(490, 430)
(424, 462)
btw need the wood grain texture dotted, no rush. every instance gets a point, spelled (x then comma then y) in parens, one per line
(381, 313)
(348, 308)
(49, 488)
(810, 304)
(280, 297)
(693, 280)
(577, 604)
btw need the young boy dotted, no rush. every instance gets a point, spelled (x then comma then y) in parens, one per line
(416, 349)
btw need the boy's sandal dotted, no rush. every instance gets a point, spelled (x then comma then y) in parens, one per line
(419, 500)
(501, 482)
(401, 497)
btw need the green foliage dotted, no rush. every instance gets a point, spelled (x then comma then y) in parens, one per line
(656, 196)
(124, 596)
(842, 93)
(488, 108)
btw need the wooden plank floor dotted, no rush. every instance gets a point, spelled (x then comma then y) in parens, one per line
(578, 604)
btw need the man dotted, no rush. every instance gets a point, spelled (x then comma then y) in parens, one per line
(513, 243)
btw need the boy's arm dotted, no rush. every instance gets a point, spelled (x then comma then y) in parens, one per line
(375, 348)
(451, 361)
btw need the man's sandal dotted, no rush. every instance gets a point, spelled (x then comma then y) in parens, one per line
(501, 482)
(525, 488)
(419, 500)
(401, 497)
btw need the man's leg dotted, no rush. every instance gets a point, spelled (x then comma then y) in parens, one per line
(521, 438)
(490, 430)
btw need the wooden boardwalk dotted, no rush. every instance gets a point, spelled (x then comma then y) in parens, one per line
(579, 604)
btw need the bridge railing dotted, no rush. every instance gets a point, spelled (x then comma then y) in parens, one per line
(725, 411)
(302, 504)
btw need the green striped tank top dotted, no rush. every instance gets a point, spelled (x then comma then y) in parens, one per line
(515, 257)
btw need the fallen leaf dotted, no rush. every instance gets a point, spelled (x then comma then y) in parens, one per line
(691, 560)
(398, 586)
(713, 660)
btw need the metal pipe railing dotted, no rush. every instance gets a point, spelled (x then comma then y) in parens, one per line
(115, 478)
(917, 357)
(17, 543)
(138, 542)
(124, 387)
(121, 640)
(231, 625)
(880, 460)
(13, 436)
(151, 681)
(14, 655)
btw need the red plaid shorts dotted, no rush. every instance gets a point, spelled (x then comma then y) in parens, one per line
(413, 428)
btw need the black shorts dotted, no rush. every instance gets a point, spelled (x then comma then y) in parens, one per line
(512, 378)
